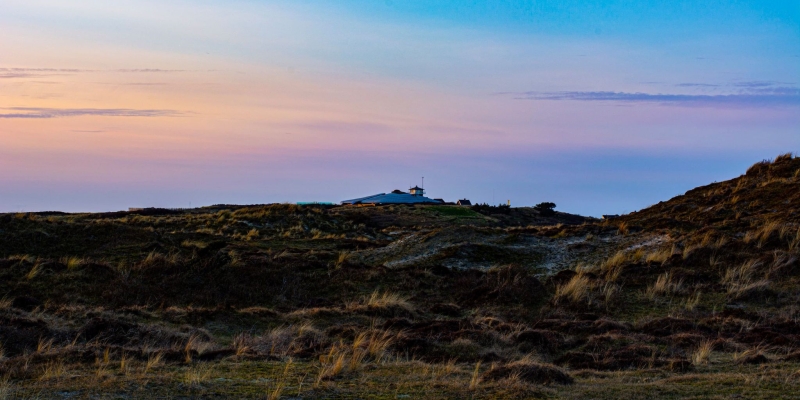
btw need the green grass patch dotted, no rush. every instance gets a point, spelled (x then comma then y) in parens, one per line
(453, 211)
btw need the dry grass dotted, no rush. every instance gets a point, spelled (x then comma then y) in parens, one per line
(125, 364)
(616, 260)
(780, 262)
(760, 236)
(241, 343)
(744, 356)
(153, 361)
(623, 228)
(444, 370)
(44, 346)
(702, 353)
(72, 262)
(386, 300)
(377, 344)
(252, 234)
(194, 376)
(35, 270)
(794, 244)
(333, 364)
(5, 303)
(692, 302)
(195, 344)
(576, 292)
(53, 370)
(659, 256)
(665, 285)
(476, 377)
(280, 384)
(5, 388)
(610, 293)
(341, 358)
(741, 280)
(343, 256)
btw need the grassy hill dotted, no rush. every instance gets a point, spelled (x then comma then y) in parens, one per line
(695, 296)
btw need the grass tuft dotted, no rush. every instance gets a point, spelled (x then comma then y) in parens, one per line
(35, 270)
(475, 381)
(378, 300)
(575, 292)
(702, 353)
(664, 285)
(72, 262)
(740, 281)
(53, 370)
(153, 361)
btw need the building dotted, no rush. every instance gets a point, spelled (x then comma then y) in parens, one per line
(464, 202)
(415, 195)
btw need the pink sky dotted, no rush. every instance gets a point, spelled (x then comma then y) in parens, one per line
(146, 104)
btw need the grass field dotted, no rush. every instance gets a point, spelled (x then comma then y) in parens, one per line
(695, 297)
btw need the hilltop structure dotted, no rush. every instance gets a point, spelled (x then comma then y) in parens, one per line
(415, 195)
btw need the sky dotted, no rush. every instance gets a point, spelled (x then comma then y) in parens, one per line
(602, 107)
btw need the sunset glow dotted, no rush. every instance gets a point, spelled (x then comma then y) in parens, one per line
(600, 107)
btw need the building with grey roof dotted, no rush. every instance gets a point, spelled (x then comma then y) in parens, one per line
(415, 195)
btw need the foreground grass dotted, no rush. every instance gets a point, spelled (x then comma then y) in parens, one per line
(395, 379)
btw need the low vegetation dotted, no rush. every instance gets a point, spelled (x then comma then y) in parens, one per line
(693, 297)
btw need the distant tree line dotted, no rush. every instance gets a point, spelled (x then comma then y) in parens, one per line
(545, 209)
(486, 209)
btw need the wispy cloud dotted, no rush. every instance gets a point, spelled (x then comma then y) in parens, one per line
(44, 70)
(150, 70)
(759, 84)
(15, 75)
(43, 113)
(696, 85)
(768, 98)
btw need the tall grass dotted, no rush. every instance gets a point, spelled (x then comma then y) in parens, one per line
(475, 380)
(35, 271)
(763, 234)
(44, 346)
(664, 285)
(195, 344)
(341, 358)
(692, 301)
(659, 256)
(702, 353)
(741, 280)
(343, 256)
(612, 268)
(53, 370)
(576, 292)
(280, 384)
(194, 376)
(382, 300)
(153, 362)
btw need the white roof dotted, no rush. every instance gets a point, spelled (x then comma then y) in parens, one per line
(391, 198)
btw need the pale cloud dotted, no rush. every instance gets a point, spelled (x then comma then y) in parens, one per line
(46, 113)
(773, 98)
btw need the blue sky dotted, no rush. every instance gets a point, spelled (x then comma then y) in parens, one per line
(602, 107)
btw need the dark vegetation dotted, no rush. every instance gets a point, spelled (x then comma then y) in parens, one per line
(695, 296)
